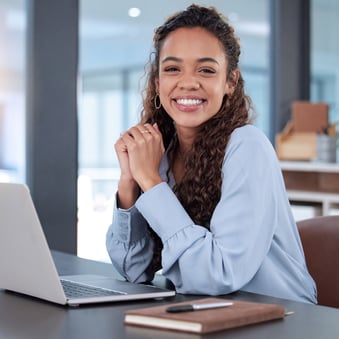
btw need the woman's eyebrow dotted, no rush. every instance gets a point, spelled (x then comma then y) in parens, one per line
(171, 58)
(208, 60)
(200, 60)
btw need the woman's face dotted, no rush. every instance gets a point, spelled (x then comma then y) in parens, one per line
(192, 76)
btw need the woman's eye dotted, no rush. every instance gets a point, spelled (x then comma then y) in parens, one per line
(207, 71)
(171, 69)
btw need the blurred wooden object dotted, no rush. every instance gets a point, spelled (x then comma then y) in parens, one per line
(298, 140)
(309, 117)
(292, 145)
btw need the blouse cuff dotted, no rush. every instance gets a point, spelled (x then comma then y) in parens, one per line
(163, 211)
(123, 219)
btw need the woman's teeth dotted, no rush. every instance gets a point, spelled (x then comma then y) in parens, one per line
(189, 102)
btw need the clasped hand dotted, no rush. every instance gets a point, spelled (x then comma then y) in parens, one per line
(140, 150)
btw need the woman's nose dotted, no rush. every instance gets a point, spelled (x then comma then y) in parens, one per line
(189, 83)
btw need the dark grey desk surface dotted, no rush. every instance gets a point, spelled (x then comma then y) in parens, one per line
(29, 318)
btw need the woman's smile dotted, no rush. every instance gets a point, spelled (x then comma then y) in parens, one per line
(188, 104)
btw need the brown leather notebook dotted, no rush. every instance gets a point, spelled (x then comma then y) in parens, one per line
(241, 313)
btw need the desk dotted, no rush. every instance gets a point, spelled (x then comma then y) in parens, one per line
(28, 318)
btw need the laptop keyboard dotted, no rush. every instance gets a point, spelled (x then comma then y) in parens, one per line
(76, 290)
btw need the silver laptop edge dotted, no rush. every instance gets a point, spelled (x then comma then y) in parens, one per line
(26, 263)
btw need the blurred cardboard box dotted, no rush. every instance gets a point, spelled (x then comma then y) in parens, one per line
(292, 145)
(309, 117)
(298, 140)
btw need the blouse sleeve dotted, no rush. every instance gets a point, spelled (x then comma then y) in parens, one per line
(226, 257)
(130, 245)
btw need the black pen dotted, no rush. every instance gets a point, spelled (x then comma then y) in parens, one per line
(197, 307)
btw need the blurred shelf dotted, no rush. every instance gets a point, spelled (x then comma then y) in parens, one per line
(309, 166)
(328, 201)
(312, 182)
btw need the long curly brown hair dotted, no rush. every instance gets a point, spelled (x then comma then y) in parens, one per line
(200, 188)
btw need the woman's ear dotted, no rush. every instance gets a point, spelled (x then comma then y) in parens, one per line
(156, 82)
(232, 82)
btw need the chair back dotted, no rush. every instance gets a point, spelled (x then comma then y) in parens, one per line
(320, 239)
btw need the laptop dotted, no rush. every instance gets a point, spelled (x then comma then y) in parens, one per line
(27, 266)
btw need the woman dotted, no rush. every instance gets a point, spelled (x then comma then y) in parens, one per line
(201, 193)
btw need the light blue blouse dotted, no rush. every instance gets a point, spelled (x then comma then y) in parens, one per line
(253, 242)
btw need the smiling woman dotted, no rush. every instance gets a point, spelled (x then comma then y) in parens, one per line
(202, 195)
(113, 50)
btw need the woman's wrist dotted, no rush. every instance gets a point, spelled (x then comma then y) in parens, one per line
(128, 192)
(148, 184)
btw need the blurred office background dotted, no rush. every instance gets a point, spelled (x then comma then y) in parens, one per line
(114, 42)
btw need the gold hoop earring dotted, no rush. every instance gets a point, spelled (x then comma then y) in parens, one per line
(157, 102)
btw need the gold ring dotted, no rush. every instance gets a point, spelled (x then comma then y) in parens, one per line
(145, 131)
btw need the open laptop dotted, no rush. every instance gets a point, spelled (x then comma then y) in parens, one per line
(27, 266)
